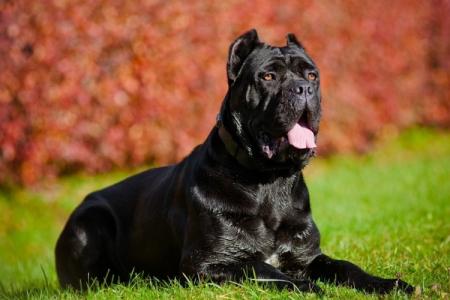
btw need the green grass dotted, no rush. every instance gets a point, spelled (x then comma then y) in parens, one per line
(388, 212)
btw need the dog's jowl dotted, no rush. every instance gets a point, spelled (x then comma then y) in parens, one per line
(237, 206)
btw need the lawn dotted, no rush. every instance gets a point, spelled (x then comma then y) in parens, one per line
(388, 211)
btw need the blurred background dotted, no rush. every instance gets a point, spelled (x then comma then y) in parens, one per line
(101, 85)
(91, 91)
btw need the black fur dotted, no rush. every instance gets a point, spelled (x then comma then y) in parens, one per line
(237, 205)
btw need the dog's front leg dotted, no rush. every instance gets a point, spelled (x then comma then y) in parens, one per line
(258, 271)
(345, 273)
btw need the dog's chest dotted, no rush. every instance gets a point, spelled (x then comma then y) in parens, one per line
(274, 260)
(275, 206)
(268, 228)
(268, 225)
(260, 228)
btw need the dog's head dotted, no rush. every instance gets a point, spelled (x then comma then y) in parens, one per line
(272, 107)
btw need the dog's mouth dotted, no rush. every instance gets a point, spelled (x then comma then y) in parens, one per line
(300, 138)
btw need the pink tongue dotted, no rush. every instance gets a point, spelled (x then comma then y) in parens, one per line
(301, 137)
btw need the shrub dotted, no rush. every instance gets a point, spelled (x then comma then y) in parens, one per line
(95, 85)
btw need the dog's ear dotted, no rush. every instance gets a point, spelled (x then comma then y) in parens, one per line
(292, 41)
(239, 50)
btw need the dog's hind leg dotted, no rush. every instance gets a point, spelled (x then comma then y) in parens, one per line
(345, 273)
(85, 250)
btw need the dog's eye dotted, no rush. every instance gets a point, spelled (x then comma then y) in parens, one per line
(312, 76)
(268, 77)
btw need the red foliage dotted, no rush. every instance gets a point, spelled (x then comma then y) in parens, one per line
(101, 84)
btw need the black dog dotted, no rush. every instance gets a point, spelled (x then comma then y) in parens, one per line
(236, 206)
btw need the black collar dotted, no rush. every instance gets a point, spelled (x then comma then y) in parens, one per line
(233, 148)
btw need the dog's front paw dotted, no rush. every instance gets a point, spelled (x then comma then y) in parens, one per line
(403, 286)
(388, 285)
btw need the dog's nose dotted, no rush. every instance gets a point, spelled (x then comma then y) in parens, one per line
(305, 89)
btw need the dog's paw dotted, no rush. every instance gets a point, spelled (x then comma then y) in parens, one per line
(403, 286)
(385, 286)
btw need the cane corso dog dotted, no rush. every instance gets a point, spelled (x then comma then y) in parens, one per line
(237, 207)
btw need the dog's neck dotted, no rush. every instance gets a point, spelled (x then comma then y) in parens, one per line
(233, 148)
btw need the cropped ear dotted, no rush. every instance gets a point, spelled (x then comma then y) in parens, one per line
(239, 50)
(292, 41)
